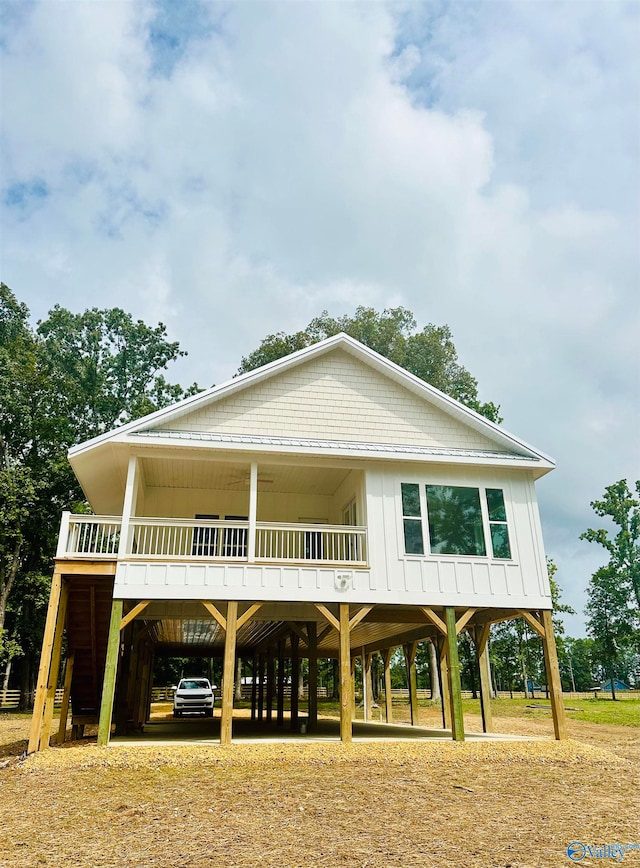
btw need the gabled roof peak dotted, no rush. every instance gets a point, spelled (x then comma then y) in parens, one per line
(164, 417)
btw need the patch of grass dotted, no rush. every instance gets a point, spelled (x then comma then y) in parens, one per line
(623, 712)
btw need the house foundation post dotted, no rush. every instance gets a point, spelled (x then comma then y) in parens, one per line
(228, 669)
(346, 692)
(53, 616)
(52, 683)
(261, 667)
(254, 687)
(312, 634)
(455, 695)
(110, 671)
(443, 674)
(295, 675)
(388, 697)
(412, 680)
(64, 711)
(553, 676)
(481, 637)
(281, 679)
(270, 680)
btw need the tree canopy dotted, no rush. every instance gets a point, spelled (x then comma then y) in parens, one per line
(429, 353)
(613, 609)
(72, 378)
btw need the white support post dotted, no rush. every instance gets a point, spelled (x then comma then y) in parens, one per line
(63, 536)
(253, 511)
(129, 506)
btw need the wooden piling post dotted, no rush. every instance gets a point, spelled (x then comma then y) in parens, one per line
(110, 670)
(312, 634)
(228, 669)
(346, 699)
(553, 676)
(388, 697)
(45, 663)
(295, 675)
(281, 679)
(64, 711)
(457, 723)
(481, 636)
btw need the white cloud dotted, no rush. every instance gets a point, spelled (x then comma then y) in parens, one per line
(476, 165)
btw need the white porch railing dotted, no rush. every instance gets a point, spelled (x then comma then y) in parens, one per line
(311, 542)
(92, 536)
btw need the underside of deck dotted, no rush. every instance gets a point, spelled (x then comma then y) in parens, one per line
(112, 644)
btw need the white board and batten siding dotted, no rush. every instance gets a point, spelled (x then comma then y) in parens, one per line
(392, 577)
(433, 579)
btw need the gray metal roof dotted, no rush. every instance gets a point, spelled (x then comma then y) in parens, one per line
(309, 443)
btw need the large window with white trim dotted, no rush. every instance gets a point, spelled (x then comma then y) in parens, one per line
(456, 520)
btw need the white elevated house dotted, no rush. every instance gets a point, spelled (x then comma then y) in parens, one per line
(329, 504)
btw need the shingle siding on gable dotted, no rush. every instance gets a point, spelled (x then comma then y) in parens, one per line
(334, 397)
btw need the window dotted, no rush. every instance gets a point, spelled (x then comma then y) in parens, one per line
(498, 523)
(412, 519)
(455, 520)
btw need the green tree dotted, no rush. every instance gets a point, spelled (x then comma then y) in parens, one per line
(74, 377)
(613, 609)
(429, 354)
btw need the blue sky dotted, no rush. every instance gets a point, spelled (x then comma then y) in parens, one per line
(234, 169)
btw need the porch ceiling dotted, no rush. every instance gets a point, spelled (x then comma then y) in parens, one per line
(166, 472)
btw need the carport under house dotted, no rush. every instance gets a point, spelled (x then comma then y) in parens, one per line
(327, 505)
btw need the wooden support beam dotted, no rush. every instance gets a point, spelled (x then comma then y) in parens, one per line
(45, 663)
(412, 680)
(64, 711)
(435, 619)
(312, 633)
(133, 613)
(346, 727)
(110, 671)
(331, 618)
(388, 696)
(300, 633)
(121, 715)
(553, 676)
(215, 613)
(359, 615)
(295, 676)
(281, 679)
(270, 684)
(248, 615)
(261, 669)
(367, 685)
(457, 722)
(444, 682)
(325, 632)
(254, 687)
(481, 635)
(532, 621)
(47, 717)
(462, 622)
(228, 669)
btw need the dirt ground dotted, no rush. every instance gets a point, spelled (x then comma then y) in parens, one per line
(432, 804)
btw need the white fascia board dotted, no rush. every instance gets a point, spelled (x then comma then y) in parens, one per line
(383, 365)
